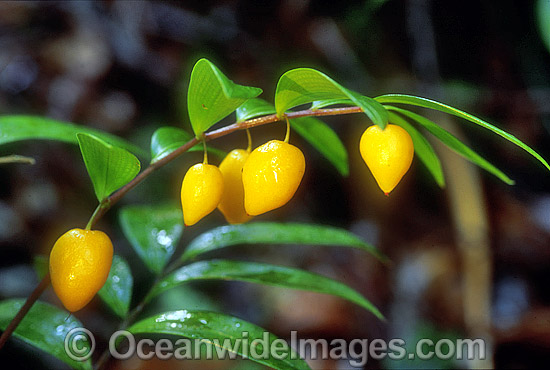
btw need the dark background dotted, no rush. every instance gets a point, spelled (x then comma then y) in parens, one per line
(124, 66)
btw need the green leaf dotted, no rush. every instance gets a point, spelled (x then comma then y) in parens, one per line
(17, 128)
(264, 233)
(264, 274)
(212, 96)
(109, 167)
(45, 327)
(153, 231)
(117, 291)
(324, 139)
(542, 10)
(226, 335)
(306, 85)
(432, 104)
(452, 142)
(329, 102)
(167, 139)
(41, 265)
(254, 108)
(422, 148)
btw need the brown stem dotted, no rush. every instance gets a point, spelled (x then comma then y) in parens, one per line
(108, 202)
(255, 122)
(36, 293)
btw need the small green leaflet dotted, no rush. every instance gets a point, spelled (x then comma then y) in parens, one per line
(452, 142)
(212, 96)
(306, 85)
(153, 232)
(17, 128)
(261, 273)
(432, 104)
(265, 233)
(324, 139)
(167, 139)
(109, 167)
(422, 148)
(224, 333)
(117, 291)
(254, 108)
(45, 327)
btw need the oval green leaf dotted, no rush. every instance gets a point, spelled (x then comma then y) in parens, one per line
(422, 148)
(224, 333)
(212, 96)
(452, 142)
(17, 128)
(117, 291)
(109, 167)
(45, 327)
(265, 233)
(153, 232)
(262, 273)
(432, 104)
(324, 139)
(305, 85)
(254, 108)
(167, 139)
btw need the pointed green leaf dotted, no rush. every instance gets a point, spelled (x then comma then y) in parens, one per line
(45, 327)
(262, 273)
(422, 148)
(432, 104)
(41, 266)
(452, 142)
(117, 291)
(329, 102)
(153, 231)
(324, 139)
(17, 128)
(306, 85)
(167, 139)
(212, 96)
(254, 108)
(265, 233)
(109, 167)
(226, 335)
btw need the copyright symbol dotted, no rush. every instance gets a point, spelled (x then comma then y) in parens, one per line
(79, 344)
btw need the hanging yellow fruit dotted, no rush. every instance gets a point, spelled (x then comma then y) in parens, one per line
(388, 153)
(271, 176)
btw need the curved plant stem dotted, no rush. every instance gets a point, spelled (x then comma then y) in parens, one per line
(108, 202)
(287, 136)
(36, 293)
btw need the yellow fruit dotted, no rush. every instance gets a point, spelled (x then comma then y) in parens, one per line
(232, 203)
(80, 262)
(201, 191)
(271, 176)
(388, 153)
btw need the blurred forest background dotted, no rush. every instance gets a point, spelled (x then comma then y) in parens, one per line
(471, 260)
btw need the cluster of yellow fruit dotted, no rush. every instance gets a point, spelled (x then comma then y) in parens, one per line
(245, 185)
